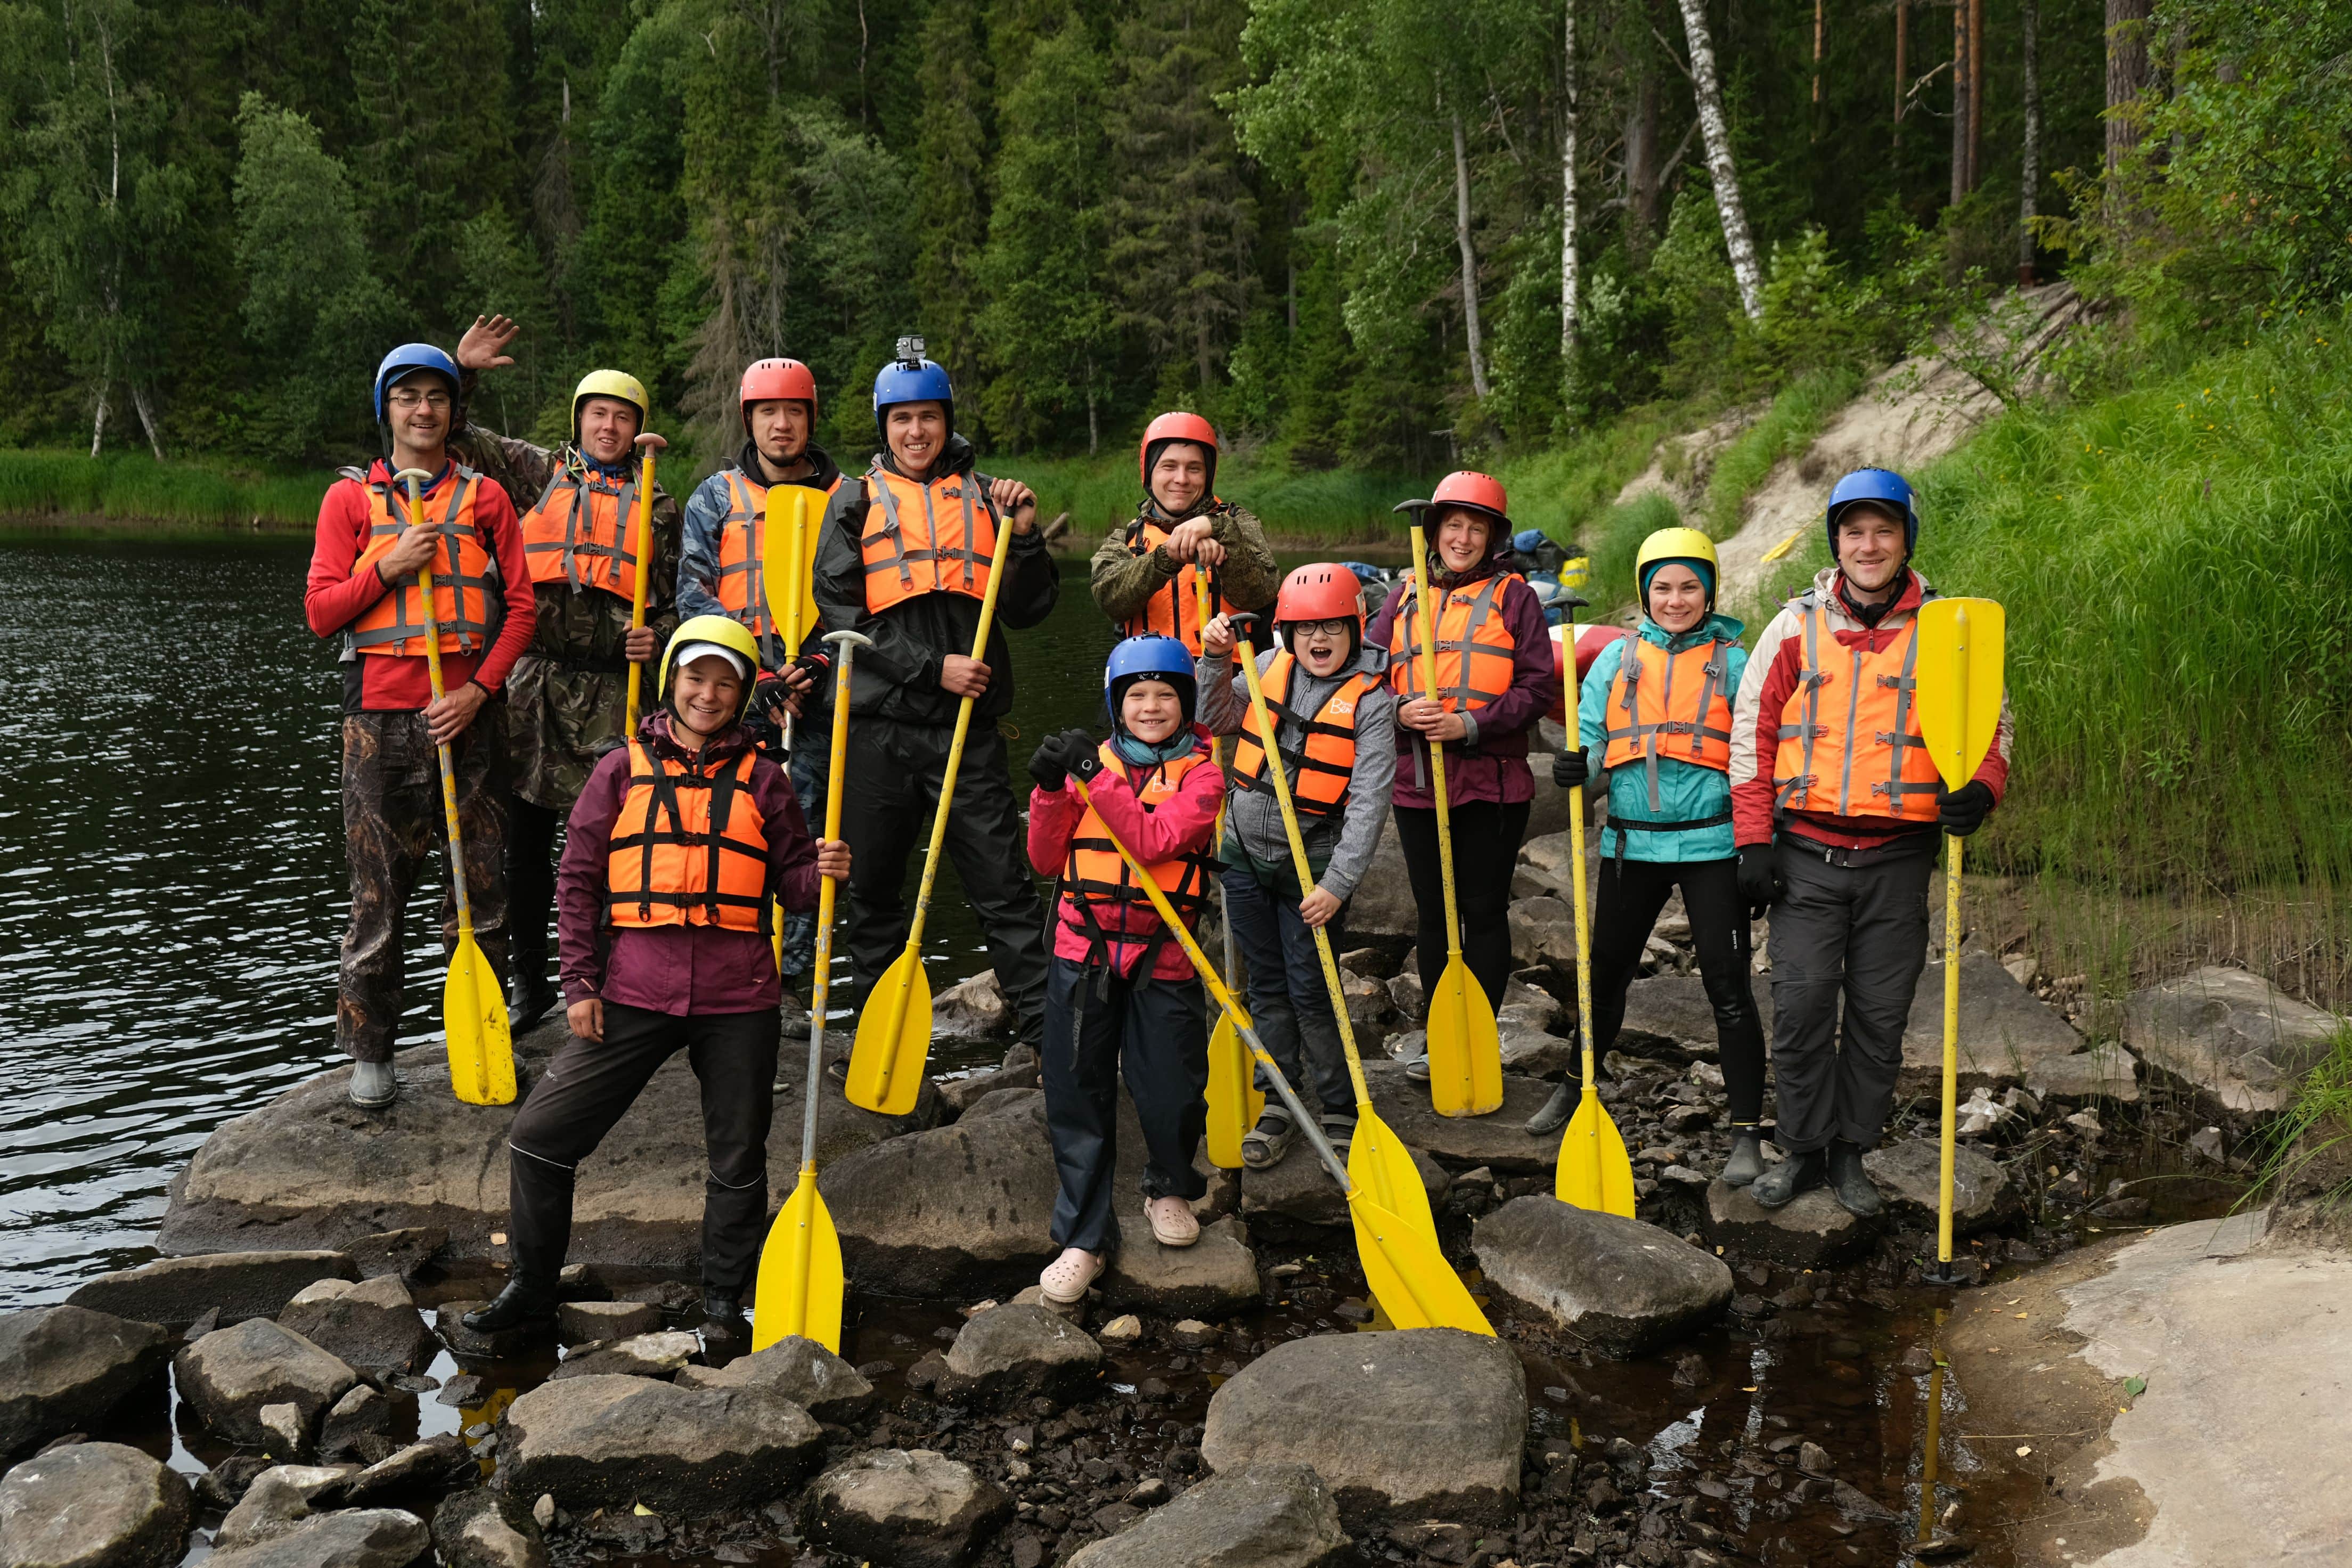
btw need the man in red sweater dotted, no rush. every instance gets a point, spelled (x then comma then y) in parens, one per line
(363, 587)
(1825, 747)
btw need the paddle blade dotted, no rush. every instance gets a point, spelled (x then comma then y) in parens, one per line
(1465, 1054)
(1959, 675)
(1235, 1098)
(1409, 1277)
(800, 1286)
(1594, 1171)
(1379, 1164)
(474, 1017)
(894, 1040)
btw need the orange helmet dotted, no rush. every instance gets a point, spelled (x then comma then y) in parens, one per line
(1320, 592)
(1177, 427)
(771, 378)
(1473, 491)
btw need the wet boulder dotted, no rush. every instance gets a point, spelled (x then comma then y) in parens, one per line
(414, 1474)
(230, 1375)
(1264, 1516)
(797, 1369)
(353, 1538)
(484, 1529)
(371, 1327)
(2233, 1036)
(1543, 931)
(644, 1355)
(1668, 1017)
(1382, 904)
(1615, 1285)
(595, 1322)
(1214, 1277)
(914, 1508)
(1298, 1188)
(954, 1211)
(278, 1499)
(1910, 1174)
(591, 1440)
(1423, 1423)
(93, 1505)
(2102, 1072)
(1498, 1141)
(2006, 1031)
(1811, 1231)
(1016, 1351)
(64, 1368)
(973, 1009)
(176, 1292)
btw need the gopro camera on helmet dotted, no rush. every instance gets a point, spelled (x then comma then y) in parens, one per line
(911, 349)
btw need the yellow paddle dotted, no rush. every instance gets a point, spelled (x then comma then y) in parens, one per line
(799, 1283)
(894, 1029)
(641, 556)
(1235, 1101)
(473, 1009)
(1959, 693)
(1377, 1158)
(1595, 1170)
(1408, 1275)
(1465, 1053)
(783, 575)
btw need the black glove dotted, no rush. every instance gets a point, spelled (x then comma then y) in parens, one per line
(1080, 754)
(1963, 810)
(1049, 766)
(1569, 770)
(770, 694)
(817, 664)
(1759, 878)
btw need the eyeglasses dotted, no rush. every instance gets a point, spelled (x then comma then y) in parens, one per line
(410, 396)
(1337, 628)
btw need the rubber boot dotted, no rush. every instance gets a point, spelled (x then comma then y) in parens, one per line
(1850, 1185)
(374, 1085)
(529, 997)
(1747, 1162)
(722, 1316)
(524, 1300)
(1779, 1186)
(1556, 1110)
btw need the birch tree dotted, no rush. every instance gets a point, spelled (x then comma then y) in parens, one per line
(1567, 206)
(1469, 258)
(1737, 240)
(2028, 27)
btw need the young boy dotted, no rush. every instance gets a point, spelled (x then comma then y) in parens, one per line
(676, 845)
(1327, 692)
(1120, 995)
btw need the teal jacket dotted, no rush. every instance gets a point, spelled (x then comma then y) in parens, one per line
(1686, 792)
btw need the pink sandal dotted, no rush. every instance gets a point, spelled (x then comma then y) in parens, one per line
(1172, 1221)
(1067, 1278)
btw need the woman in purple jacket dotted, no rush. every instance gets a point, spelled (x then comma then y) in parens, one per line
(1495, 680)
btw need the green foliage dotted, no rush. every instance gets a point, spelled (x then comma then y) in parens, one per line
(1787, 428)
(1616, 540)
(131, 486)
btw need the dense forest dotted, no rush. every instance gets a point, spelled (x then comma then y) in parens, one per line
(1368, 233)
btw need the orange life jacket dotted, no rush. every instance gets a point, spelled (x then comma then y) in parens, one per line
(1474, 650)
(581, 531)
(689, 846)
(1097, 875)
(937, 536)
(467, 598)
(1673, 705)
(1173, 610)
(741, 588)
(1320, 774)
(1849, 738)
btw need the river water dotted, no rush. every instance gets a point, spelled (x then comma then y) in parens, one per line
(172, 885)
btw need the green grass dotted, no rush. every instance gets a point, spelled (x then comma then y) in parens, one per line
(2305, 1151)
(1616, 539)
(136, 489)
(1787, 428)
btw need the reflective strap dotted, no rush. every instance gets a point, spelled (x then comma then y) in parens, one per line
(895, 534)
(1895, 788)
(1809, 727)
(1714, 669)
(1853, 718)
(1650, 746)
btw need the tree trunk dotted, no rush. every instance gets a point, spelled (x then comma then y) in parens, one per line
(146, 418)
(1976, 93)
(1902, 59)
(1735, 238)
(1469, 258)
(1960, 64)
(2029, 25)
(1567, 209)
(1641, 133)
(98, 423)
(1817, 66)
(2126, 79)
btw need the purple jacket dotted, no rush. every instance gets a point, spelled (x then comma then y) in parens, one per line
(1494, 766)
(684, 970)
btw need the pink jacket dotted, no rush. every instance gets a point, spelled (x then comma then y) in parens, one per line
(1180, 825)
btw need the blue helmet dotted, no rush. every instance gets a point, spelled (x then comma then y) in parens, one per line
(1883, 486)
(406, 360)
(911, 378)
(1149, 659)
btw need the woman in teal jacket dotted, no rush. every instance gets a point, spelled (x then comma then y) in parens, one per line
(1657, 707)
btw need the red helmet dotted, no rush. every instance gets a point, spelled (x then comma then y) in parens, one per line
(1177, 427)
(771, 378)
(1477, 491)
(1320, 592)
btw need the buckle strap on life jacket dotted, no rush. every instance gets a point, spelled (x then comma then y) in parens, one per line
(1690, 825)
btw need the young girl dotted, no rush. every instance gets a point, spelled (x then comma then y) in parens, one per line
(1336, 723)
(1495, 679)
(1657, 707)
(675, 844)
(1121, 997)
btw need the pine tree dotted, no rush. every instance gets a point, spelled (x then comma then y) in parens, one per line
(951, 193)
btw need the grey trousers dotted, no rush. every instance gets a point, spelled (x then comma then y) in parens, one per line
(1859, 933)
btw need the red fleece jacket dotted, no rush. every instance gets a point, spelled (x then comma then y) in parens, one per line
(1180, 825)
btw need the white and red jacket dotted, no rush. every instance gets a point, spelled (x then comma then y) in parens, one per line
(1774, 672)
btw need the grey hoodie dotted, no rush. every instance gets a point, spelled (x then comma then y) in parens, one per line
(1253, 817)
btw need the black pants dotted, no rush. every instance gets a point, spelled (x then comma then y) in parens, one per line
(1485, 849)
(1156, 1033)
(590, 1085)
(888, 796)
(1290, 1000)
(1632, 894)
(1859, 933)
(531, 884)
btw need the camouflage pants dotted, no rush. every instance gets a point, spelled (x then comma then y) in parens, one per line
(392, 822)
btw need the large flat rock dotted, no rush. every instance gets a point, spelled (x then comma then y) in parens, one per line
(309, 1169)
(176, 1292)
(1300, 1190)
(956, 1209)
(1265, 1516)
(93, 1505)
(595, 1442)
(64, 1368)
(1499, 1139)
(1811, 1231)
(1669, 1016)
(2006, 1031)
(2232, 1034)
(1613, 1284)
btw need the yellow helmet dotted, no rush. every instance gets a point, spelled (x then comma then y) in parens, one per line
(617, 384)
(1677, 544)
(720, 631)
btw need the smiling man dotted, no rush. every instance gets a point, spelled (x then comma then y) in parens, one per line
(1146, 576)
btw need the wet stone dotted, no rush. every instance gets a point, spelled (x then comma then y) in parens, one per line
(227, 1376)
(371, 1327)
(176, 1292)
(63, 1369)
(449, 1323)
(645, 1355)
(486, 1529)
(356, 1538)
(93, 1505)
(400, 1253)
(1910, 1174)
(588, 1440)
(581, 1323)
(958, 1211)
(1299, 1190)
(1499, 1139)
(1812, 1232)
(915, 1508)
(797, 1369)
(1616, 1285)
(1018, 1351)
(1264, 1516)
(1216, 1276)
(415, 1473)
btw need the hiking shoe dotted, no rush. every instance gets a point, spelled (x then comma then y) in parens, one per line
(1850, 1185)
(1172, 1221)
(1264, 1144)
(1556, 1110)
(794, 1021)
(374, 1085)
(722, 1316)
(1779, 1186)
(1066, 1279)
(524, 1301)
(1747, 1162)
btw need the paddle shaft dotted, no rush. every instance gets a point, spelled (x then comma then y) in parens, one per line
(821, 982)
(1204, 600)
(441, 748)
(1952, 964)
(641, 553)
(1436, 748)
(795, 587)
(1574, 742)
